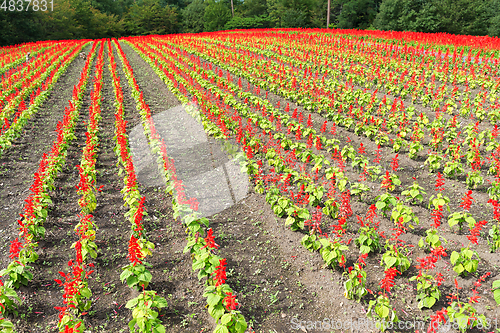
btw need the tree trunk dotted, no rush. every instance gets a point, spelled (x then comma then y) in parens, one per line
(232, 7)
(328, 15)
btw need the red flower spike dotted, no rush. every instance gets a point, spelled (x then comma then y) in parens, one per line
(361, 149)
(388, 281)
(230, 301)
(323, 128)
(439, 182)
(220, 273)
(210, 240)
(395, 163)
(467, 201)
(15, 247)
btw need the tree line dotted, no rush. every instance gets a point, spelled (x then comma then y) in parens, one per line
(80, 19)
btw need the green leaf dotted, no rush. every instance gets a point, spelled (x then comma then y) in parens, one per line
(85, 292)
(496, 294)
(130, 304)
(454, 257)
(213, 299)
(221, 329)
(428, 302)
(226, 319)
(390, 261)
(159, 329)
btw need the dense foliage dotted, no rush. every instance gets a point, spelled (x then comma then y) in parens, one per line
(79, 19)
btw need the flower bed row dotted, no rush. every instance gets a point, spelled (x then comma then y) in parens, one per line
(222, 303)
(377, 124)
(392, 258)
(454, 166)
(77, 295)
(15, 55)
(15, 77)
(11, 130)
(22, 250)
(137, 276)
(14, 95)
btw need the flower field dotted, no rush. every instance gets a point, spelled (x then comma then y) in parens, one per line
(308, 180)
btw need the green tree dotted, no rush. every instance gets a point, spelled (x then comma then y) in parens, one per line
(291, 13)
(112, 7)
(357, 14)
(192, 17)
(251, 8)
(276, 9)
(408, 15)
(256, 22)
(77, 19)
(20, 27)
(217, 14)
(469, 17)
(149, 18)
(494, 21)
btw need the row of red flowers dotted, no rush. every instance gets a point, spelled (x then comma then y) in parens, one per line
(77, 295)
(223, 128)
(22, 250)
(221, 300)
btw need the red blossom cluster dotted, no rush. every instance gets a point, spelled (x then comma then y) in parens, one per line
(439, 182)
(437, 215)
(429, 262)
(386, 181)
(496, 209)
(476, 231)
(230, 301)
(395, 163)
(315, 222)
(475, 298)
(220, 273)
(210, 240)
(439, 317)
(388, 281)
(378, 156)
(467, 201)
(345, 204)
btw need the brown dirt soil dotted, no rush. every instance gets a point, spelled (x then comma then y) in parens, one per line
(278, 282)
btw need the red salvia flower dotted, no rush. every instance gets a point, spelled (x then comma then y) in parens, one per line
(318, 143)
(436, 319)
(310, 141)
(323, 128)
(361, 149)
(496, 209)
(210, 240)
(345, 204)
(362, 258)
(333, 130)
(439, 279)
(395, 163)
(467, 201)
(476, 231)
(230, 301)
(15, 247)
(298, 134)
(388, 281)
(378, 156)
(437, 215)
(134, 251)
(386, 181)
(309, 121)
(220, 273)
(439, 182)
